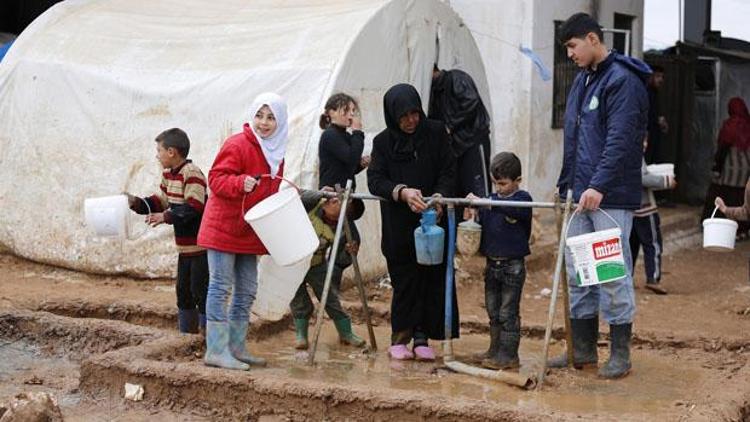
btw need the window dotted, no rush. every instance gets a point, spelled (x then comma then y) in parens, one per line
(564, 73)
(619, 40)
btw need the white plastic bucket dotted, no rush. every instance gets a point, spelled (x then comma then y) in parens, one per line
(719, 234)
(108, 215)
(597, 256)
(665, 169)
(281, 223)
(277, 286)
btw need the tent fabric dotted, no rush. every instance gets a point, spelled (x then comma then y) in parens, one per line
(90, 83)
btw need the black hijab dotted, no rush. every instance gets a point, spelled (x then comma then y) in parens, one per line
(399, 100)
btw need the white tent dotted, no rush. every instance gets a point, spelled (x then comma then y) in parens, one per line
(90, 83)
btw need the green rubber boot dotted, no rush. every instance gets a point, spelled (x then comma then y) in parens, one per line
(300, 333)
(346, 335)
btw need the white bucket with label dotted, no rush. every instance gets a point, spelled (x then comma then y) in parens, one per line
(281, 223)
(277, 286)
(719, 234)
(109, 216)
(597, 256)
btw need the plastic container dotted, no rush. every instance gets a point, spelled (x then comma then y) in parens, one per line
(281, 223)
(665, 169)
(109, 216)
(429, 240)
(277, 286)
(719, 234)
(597, 256)
(469, 238)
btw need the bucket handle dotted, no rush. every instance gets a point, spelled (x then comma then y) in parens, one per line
(567, 229)
(714, 213)
(258, 178)
(127, 234)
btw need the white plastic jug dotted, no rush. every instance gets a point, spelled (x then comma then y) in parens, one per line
(109, 216)
(281, 223)
(664, 169)
(277, 286)
(719, 233)
(598, 255)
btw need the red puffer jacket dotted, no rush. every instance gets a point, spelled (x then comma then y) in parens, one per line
(223, 227)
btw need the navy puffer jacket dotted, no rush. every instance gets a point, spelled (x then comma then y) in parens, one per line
(605, 124)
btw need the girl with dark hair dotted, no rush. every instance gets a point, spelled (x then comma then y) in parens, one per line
(340, 154)
(339, 151)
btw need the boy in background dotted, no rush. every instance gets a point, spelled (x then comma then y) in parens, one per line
(647, 227)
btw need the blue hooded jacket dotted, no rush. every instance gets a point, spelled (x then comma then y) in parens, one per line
(605, 123)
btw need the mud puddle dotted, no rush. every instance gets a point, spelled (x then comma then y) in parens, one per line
(25, 368)
(654, 386)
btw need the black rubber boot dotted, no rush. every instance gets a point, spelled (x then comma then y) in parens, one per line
(494, 344)
(506, 356)
(585, 336)
(618, 364)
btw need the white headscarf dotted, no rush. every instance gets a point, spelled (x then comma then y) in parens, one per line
(273, 146)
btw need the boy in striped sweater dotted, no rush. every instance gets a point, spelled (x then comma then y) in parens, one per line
(180, 202)
(646, 230)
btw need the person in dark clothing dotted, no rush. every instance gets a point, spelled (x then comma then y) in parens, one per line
(731, 169)
(340, 152)
(657, 123)
(605, 123)
(505, 243)
(455, 101)
(324, 215)
(411, 159)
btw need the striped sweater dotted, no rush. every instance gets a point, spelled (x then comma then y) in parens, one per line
(182, 198)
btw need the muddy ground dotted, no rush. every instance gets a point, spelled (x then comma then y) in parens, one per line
(81, 337)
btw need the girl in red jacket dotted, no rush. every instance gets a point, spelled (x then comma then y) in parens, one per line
(236, 186)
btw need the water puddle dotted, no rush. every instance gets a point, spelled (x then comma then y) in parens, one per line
(654, 385)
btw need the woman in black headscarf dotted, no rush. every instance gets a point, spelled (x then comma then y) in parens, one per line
(411, 159)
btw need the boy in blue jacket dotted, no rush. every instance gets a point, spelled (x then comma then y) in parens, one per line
(505, 243)
(605, 124)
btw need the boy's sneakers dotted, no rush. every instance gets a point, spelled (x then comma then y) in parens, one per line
(656, 288)
(400, 352)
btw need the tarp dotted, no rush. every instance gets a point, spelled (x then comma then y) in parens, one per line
(90, 83)
(4, 49)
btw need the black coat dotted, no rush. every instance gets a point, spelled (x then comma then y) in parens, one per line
(422, 161)
(455, 101)
(340, 154)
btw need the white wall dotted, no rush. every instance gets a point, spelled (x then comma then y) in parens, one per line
(521, 100)
(499, 28)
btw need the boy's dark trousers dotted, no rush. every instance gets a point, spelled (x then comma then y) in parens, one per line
(647, 233)
(192, 288)
(503, 286)
(302, 306)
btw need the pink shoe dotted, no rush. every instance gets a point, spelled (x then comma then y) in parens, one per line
(400, 352)
(424, 353)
